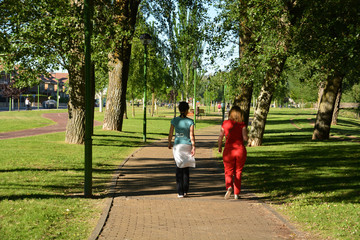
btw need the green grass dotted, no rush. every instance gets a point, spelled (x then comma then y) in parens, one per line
(15, 121)
(42, 178)
(315, 183)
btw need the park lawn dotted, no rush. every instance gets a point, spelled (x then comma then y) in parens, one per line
(314, 183)
(42, 178)
(15, 121)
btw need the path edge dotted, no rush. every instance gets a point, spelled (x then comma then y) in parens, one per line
(109, 202)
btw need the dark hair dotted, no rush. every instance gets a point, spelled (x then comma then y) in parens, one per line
(183, 107)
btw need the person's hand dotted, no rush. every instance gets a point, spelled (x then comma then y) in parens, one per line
(220, 149)
(170, 145)
(193, 151)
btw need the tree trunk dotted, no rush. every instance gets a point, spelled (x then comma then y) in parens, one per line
(133, 107)
(125, 111)
(326, 108)
(75, 128)
(244, 100)
(260, 115)
(264, 101)
(152, 103)
(119, 62)
(337, 107)
(320, 92)
(100, 101)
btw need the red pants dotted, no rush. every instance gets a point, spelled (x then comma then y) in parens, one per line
(234, 161)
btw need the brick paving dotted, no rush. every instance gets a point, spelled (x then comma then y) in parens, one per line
(146, 206)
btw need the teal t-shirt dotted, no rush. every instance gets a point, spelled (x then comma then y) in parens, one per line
(182, 130)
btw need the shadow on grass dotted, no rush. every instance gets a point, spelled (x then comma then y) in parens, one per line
(327, 172)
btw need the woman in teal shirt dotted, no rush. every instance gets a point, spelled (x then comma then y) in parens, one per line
(183, 149)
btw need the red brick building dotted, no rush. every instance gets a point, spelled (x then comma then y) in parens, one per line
(48, 88)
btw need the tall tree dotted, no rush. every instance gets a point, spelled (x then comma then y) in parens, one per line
(272, 47)
(190, 36)
(45, 36)
(122, 30)
(235, 28)
(328, 32)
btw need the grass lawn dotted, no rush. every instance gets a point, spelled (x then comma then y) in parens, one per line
(41, 177)
(15, 121)
(314, 183)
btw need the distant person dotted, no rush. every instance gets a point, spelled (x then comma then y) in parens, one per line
(219, 107)
(228, 107)
(27, 104)
(234, 155)
(183, 148)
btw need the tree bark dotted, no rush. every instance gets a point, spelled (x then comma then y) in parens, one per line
(320, 92)
(260, 115)
(119, 63)
(263, 103)
(75, 127)
(337, 107)
(243, 100)
(152, 103)
(326, 108)
(133, 107)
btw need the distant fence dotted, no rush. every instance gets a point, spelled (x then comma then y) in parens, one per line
(345, 105)
(349, 105)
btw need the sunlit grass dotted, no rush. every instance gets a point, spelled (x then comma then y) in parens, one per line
(15, 121)
(42, 178)
(315, 183)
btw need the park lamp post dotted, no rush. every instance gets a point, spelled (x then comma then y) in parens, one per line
(88, 27)
(57, 93)
(145, 40)
(38, 97)
(223, 102)
(195, 66)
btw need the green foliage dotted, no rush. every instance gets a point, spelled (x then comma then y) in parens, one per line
(158, 73)
(182, 24)
(302, 80)
(329, 32)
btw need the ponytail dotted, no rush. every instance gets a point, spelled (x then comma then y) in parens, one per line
(183, 107)
(182, 114)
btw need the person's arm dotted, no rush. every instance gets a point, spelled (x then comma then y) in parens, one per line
(245, 134)
(220, 139)
(171, 133)
(192, 139)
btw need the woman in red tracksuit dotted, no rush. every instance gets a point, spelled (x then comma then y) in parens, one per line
(234, 155)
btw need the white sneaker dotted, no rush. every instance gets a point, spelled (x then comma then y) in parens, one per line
(180, 196)
(237, 196)
(228, 193)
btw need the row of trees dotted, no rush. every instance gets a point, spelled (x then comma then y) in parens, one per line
(275, 36)
(311, 40)
(38, 36)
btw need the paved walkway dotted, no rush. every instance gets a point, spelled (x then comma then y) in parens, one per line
(146, 206)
